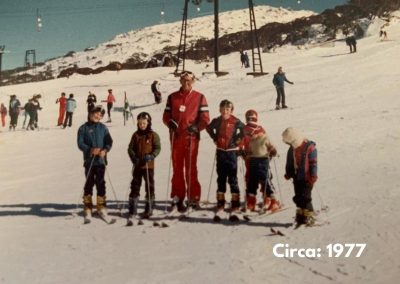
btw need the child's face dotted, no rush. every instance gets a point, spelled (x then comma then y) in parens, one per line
(226, 112)
(142, 123)
(95, 116)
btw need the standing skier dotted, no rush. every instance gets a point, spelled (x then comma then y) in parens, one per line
(185, 114)
(110, 101)
(143, 148)
(3, 111)
(71, 105)
(91, 101)
(156, 92)
(301, 166)
(226, 131)
(95, 141)
(63, 104)
(258, 150)
(279, 82)
(13, 111)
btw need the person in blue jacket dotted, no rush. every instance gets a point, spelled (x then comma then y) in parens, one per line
(279, 82)
(95, 141)
(71, 106)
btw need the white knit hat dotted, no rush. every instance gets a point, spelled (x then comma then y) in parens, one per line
(292, 137)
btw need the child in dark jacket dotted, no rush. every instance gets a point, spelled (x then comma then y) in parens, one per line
(143, 148)
(258, 151)
(226, 131)
(301, 166)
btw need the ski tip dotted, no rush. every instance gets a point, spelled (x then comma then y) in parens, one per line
(140, 222)
(156, 224)
(234, 218)
(164, 225)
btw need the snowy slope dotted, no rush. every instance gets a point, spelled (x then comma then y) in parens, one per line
(348, 104)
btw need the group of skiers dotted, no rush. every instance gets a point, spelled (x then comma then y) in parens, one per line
(186, 114)
(66, 111)
(31, 109)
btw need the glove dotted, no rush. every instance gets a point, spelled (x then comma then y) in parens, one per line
(172, 124)
(95, 151)
(192, 129)
(272, 152)
(102, 153)
(287, 177)
(148, 158)
(312, 180)
(291, 83)
(242, 153)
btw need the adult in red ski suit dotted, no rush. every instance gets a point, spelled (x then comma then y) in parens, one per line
(186, 114)
(63, 104)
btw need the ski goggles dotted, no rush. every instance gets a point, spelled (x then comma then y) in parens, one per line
(189, 74)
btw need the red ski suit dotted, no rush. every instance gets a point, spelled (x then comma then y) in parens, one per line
(61, 113)
(186, 109)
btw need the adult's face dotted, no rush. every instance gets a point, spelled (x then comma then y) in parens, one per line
(186, 83)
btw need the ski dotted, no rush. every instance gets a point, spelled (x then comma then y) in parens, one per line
(104, 216)
(277, 232)
(234, 216)
(258, 214)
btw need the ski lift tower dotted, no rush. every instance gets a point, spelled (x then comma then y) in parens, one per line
(2, 47)
(255, 44)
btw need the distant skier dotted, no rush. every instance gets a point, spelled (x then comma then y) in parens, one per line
(32, 109)
(227, 132)
(95, 141)
(246, 60)
(279, 83)
(63, 104)
(301, 166)
(143, 148)
(3, 111)
(71, 106)
(36, 108)
(156, 92)
(242, 59)
(352, 43)
(258, 150)
(110, 101)
(91, 101)
(13, 111)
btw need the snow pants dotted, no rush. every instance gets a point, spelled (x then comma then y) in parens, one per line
(109, 107)
(138, 175)
(61, 114)
(302, 195)
(227, 170)
(14, 119)
(68, 119)
(3, 119)
(280, 95)
(258, 173)
(95, 177)
(184, 163)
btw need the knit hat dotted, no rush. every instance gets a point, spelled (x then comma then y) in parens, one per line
(98, 108)
(145, 115)
(251, 115)
(292, 137)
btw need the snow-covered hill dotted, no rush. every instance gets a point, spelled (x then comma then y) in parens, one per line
(144, 43)
(348, 103)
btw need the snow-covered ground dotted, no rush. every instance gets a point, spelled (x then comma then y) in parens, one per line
(348, 103)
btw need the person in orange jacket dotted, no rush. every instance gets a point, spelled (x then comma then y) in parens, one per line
(110, 101)
(186, 114)
(3, 111)
(63, 104)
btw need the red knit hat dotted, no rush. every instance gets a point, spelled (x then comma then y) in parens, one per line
(251, 115)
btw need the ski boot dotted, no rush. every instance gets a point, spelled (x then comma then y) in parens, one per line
(219, 210)
(133, 205)
(251, 202)
(177, 205)
(274, 205)
(87, 206)
(309, 219)
(148, 209)
(235, 207)
(194, 205)
(101, 206)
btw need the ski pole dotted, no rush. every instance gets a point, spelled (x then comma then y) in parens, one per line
(148, 187)
(87, 176)
(115, 195)
(169, 171)
(127, 191)
(190, 170)
(277, 179)
(212, 173)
